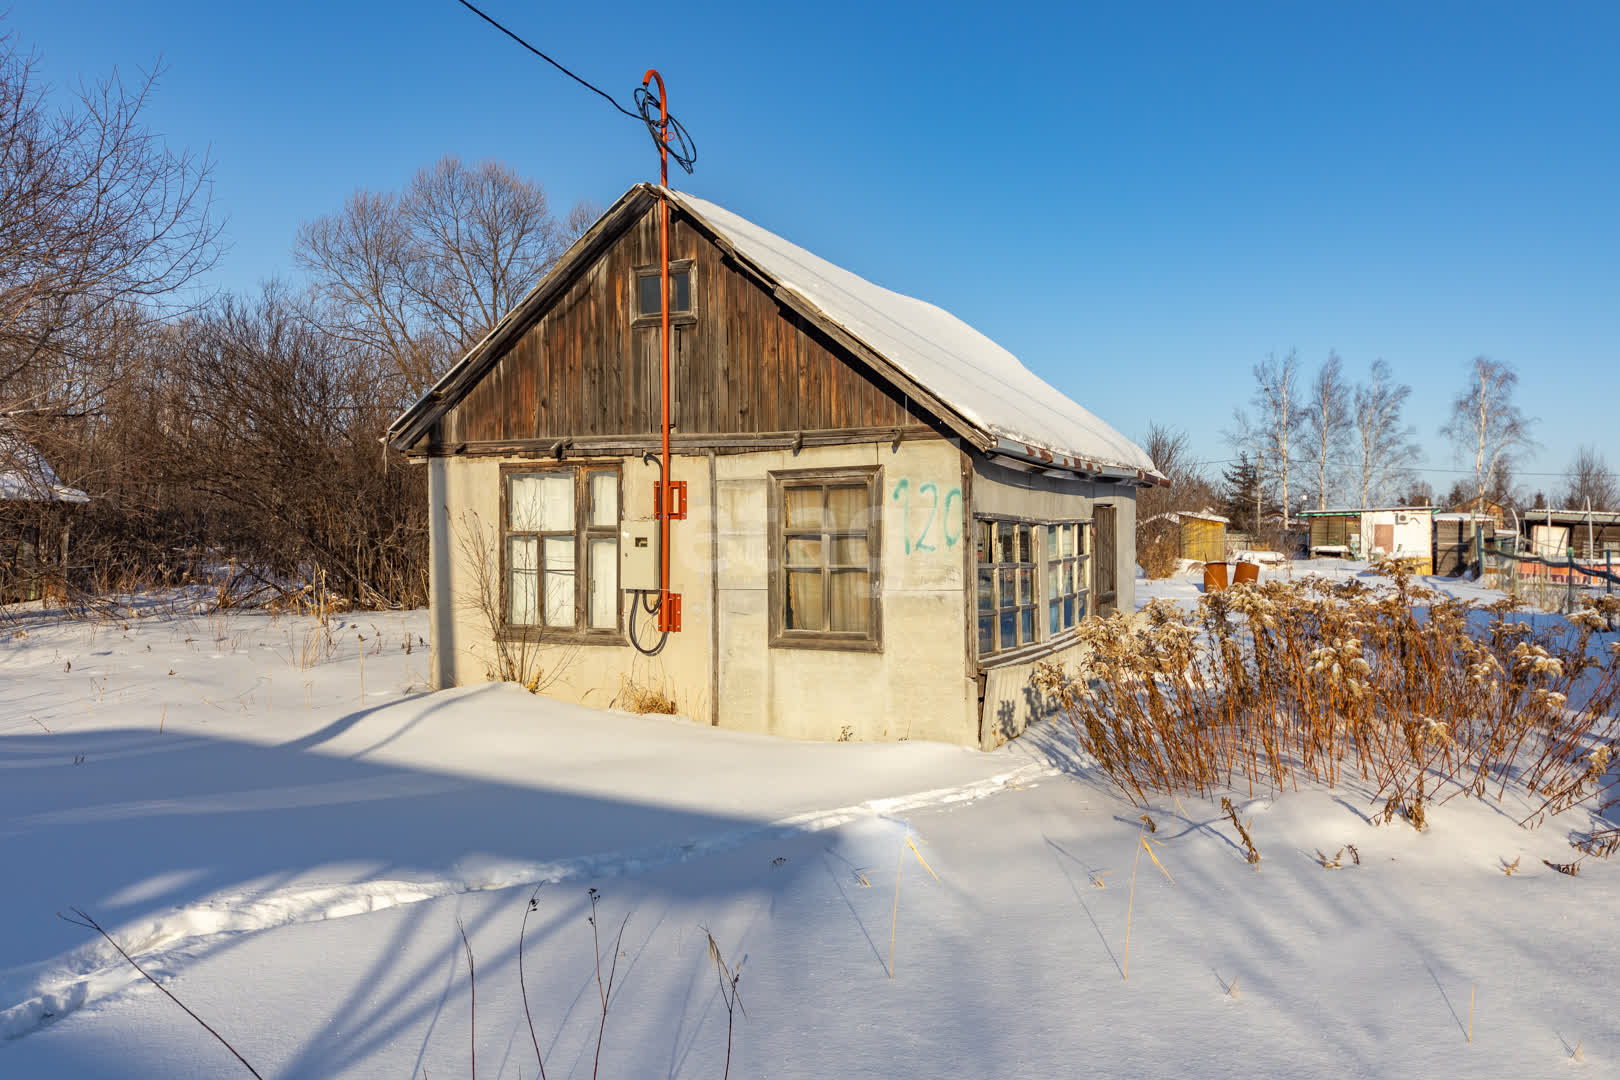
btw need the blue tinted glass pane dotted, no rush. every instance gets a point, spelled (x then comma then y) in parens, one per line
(647, 294)
(1068, 611)
(1056, 619)
(987, 635)
(1027, 624)
(1009, 629)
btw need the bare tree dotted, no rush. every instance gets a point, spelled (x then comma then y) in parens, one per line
(1276, 402)
(1385, 445)
(101, 223)
(1485, 422)
(1326, 424)
(420, 276)
(1590, 478)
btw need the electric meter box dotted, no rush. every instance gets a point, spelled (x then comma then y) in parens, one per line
(638, 556)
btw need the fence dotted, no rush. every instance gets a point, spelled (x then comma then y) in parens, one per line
(1551, 584)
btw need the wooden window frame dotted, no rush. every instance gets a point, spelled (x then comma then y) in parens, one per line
(1082, 575)
(1035, 566)
(781, 637)
(581, 633)
(639, 321)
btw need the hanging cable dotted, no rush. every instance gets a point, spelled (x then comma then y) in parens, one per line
(681, 147)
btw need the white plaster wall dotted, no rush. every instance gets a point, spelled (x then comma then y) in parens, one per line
(918, 686)
(465, 496)
(1414, 532)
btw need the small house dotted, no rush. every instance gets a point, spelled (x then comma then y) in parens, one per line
(32, 537)
(1402, 533)
(880, 519)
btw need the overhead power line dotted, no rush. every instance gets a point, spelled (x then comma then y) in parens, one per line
(682, 150)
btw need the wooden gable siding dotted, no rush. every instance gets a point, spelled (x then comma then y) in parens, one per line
(744, 365)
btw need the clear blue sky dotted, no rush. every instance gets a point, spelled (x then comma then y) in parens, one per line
(1140, 200)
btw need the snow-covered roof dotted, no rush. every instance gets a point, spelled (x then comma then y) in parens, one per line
(25, 475)
(980, 380)
(978, 388)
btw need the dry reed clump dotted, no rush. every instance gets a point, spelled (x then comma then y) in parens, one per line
(1420, 695)
(644, 698)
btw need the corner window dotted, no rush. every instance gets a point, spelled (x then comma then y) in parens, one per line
(560, 550)
(1066, 591)
(1005, 554)
(680, 292)
(825, 564)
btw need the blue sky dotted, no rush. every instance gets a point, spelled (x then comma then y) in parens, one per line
(1140, 200)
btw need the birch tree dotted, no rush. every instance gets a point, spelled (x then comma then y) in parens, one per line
(1385, 444)
(1325, 423)
(1276, 400)
(1485, 423)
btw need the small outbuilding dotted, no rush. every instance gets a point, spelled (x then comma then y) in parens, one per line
(32, 538)
(1401, 533)
(880, 519)
(1200, 535)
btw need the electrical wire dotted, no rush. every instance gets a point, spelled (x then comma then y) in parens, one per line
(682, 148)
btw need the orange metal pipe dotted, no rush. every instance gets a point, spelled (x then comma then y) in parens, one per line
(665, 493)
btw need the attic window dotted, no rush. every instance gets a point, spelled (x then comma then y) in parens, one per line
(680, 291)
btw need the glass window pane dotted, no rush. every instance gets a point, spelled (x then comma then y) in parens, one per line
(1026, 586)
(803, 507)
(541, 502)
(1068, 611)
(1051, 541)
(523, 580)
(803, 608)
(1009, 629)
(604, 595)
(1055, 623)
(1068, 540)
(647, 294)
(847, 508)
(1004, 543)
(680, 290)
(1026, 545)
(985, 544)
(850, 551)
(987, 590)
(1009, 588)
(1080, 539)
(1026, 625)
(987, 634)
(849, 607)
(804, 551)
(1068, 576)
(604, 498)
(557, 556)
(1054, 580)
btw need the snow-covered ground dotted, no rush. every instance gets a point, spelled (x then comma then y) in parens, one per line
(286, 833)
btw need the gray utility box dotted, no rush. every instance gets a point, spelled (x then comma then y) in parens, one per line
(638, 556)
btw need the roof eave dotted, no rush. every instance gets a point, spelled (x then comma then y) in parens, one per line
(1085, 468)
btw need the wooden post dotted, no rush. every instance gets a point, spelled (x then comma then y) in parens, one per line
(1569, 601)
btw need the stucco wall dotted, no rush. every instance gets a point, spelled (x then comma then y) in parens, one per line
(465, 497)
(918, 686)
(1010, 702)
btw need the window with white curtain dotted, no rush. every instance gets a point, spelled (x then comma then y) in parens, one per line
(561, 551)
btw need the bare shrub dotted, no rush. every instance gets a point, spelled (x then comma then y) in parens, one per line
(529, 656)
